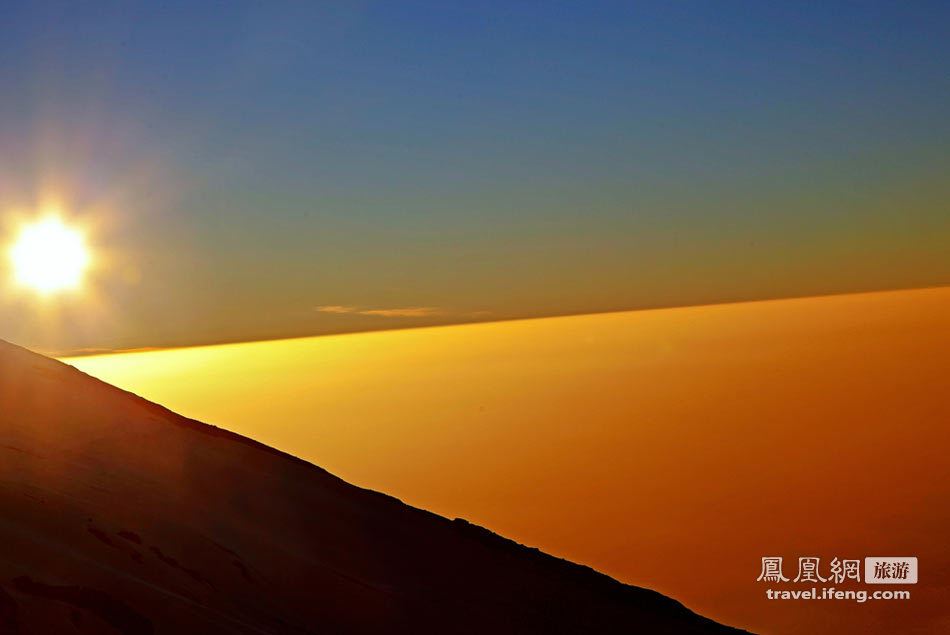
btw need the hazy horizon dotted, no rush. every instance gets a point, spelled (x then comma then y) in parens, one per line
(93, 352)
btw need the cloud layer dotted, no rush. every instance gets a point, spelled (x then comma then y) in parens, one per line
(407, 312)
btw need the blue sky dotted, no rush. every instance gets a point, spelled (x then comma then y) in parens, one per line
(253, 161)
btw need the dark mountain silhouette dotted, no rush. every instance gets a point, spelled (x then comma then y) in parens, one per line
(119, 516)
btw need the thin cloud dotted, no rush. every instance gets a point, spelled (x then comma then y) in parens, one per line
(335, 308)
(407, 312)
(418, 311)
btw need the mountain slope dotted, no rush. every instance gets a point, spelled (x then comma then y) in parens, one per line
(121, 517)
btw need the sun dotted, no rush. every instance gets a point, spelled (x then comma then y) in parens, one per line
(50, 256)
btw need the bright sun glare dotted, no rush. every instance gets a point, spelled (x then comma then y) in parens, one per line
(50, 256)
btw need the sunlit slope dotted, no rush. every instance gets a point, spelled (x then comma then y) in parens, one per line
(671, 448)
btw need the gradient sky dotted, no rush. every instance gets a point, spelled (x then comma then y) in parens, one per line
(240, 165)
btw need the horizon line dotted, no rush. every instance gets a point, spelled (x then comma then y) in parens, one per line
(102, 352)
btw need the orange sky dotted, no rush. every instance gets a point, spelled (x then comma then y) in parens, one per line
(669, 448)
